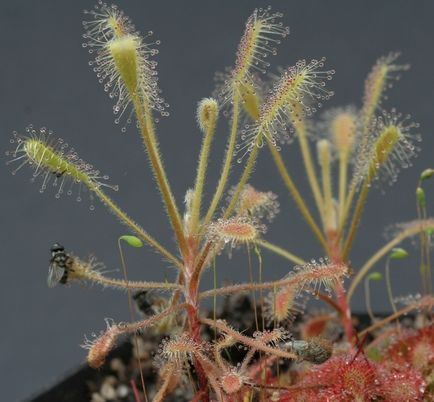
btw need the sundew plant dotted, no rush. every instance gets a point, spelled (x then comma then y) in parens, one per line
(289, 355)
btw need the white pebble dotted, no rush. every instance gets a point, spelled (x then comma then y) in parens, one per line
(122, 391)
(107, 391)
(97, 398)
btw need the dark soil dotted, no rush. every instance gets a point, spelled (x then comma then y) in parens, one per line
(111, 383)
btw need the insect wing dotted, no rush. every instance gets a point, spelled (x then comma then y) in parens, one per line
(55, 274)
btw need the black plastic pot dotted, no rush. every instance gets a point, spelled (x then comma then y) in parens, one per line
(75, 387)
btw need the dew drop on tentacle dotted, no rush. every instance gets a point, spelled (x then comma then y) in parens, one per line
(53, 161)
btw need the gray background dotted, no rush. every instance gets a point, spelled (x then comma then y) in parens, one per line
(45, 80)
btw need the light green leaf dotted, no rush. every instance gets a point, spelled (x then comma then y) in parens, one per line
(398, 254)
(375, 276)
(427, 174)
(374, 354)
(133, 241)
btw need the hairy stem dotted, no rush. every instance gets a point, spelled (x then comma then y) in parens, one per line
(247, 287)
(389, 290)
(132, 316)
(144, 119)
(368, 300)
(309, 166)
(140, 325)
(280, 251)
(200, 265)
(301, 204)
(125, 219)
(219, 324)
(200, 177)
(425, 259)
(244, 177)
(346, 318)
(427, 301)
(343, 179)
(410, 231)
(345, 212)
(227, 162)
(251, 282)
(211, 372)
(127, 284)
(356, 219)
(328, 209)
(327, 299)
(169, 372)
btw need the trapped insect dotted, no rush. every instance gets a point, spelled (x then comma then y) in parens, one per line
(243, 352)
(60, 265)
(316, 350)
(147, 302)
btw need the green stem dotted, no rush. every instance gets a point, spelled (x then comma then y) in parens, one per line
(356, 220)
(425, 259)
(214, 302)
(344, 214)
(428, 259)
(410, 231)
(425, 302)
(144, 119)
(389, 290)
(252, 282)
(280, 251)
(261, 296)
(387, 139)
(328, 208)
(132, 315)
(200, 177)
(310, 168)
(244, 177)
(343, 174)
(126, 220)
(368, 300)
(301, 204)
(227, 162)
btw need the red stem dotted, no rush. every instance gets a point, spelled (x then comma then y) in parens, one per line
(346, 316)
(197, 397)
(135, 391)
(191, 293)
(194, 326)
(335, 255)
